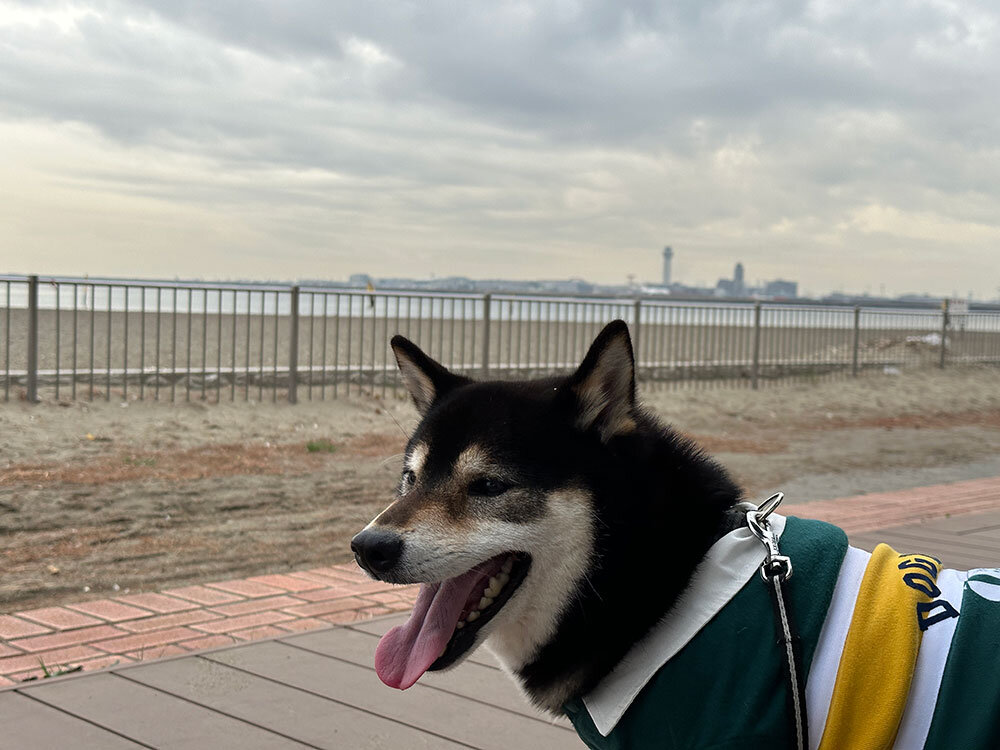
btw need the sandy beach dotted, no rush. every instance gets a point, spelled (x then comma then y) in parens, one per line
(98, 498)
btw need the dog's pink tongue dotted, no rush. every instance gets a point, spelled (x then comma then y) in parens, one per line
(405, 652)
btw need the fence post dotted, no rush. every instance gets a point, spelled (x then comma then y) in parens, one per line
(857, 339)
(32, 394)
(486, 334)
(636, 312)
(293, 349)
(755, 372)
(944, 330)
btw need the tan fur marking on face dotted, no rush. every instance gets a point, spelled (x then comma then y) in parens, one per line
(436, 509)
(417, 457)
(440, 506)
(473, 461)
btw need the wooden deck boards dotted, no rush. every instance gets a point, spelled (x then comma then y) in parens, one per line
(962, 542)
(312, 690)
(28, 723)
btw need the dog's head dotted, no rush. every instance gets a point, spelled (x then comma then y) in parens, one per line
(494, 508)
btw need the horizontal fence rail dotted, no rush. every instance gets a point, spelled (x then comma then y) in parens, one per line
(71, 338)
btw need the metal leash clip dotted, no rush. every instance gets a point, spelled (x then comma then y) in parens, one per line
(775, 565)
(775, 570)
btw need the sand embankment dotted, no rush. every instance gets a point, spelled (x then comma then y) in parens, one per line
(147, 495)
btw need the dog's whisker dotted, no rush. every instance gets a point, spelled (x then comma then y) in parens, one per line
(393, 418)
(593, 588)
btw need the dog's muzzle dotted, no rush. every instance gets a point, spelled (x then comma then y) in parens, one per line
(377, 550)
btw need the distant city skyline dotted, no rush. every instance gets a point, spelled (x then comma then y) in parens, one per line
(774, 289)
(846, 146)
(736, 286)
(763, 287)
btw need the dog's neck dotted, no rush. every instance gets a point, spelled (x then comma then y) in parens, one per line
(633, 583)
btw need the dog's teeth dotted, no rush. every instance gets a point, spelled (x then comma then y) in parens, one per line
(485, 601)
(460, 625)
(503, 578)
(508, 565)
(473, 615)
(494, 588)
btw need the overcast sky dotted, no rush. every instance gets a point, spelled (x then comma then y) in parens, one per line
(843, 144)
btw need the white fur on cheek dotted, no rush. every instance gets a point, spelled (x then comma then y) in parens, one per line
(530, 618)
(561, 545)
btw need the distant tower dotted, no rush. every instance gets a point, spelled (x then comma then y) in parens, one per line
(668, 255)
(739, 289)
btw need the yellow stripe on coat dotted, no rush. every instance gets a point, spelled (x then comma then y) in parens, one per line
(876, 666)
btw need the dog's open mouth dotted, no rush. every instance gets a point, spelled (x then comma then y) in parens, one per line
(446, 618)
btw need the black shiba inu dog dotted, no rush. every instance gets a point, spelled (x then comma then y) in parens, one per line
(536, 515)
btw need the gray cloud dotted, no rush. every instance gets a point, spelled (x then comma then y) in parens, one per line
(772, 130)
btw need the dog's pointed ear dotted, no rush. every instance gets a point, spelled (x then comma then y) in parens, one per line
(425, 379)
(604, 384)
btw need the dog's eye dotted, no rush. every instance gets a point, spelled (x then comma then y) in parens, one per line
(488, 487)
(409, 477)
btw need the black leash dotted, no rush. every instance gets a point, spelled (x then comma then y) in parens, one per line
(775, 570)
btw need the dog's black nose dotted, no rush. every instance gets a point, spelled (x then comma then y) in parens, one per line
(377, 550)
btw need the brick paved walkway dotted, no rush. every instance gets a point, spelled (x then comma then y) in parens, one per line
(137, 627)
(880, 510)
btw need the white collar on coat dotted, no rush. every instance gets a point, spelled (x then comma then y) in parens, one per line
(725, 569)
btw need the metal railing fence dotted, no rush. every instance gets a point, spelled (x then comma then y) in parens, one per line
(70, 338)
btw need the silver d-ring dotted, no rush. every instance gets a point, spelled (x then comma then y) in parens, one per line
(767, 507)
